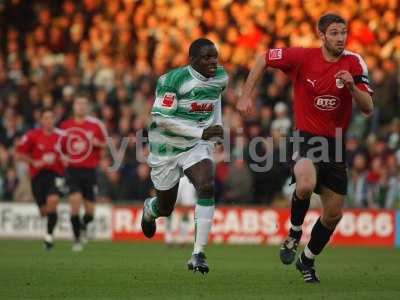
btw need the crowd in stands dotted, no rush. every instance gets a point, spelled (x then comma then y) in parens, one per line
(116, 50)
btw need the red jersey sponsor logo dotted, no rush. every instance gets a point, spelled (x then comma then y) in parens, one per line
(326, 102)
(275, 54)
(201, 108)
(168, 100)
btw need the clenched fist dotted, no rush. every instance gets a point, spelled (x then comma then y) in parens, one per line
(244, 106)
(346, 78)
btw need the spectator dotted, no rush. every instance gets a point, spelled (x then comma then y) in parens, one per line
(238, 185)
(107, 182)
(141, 186)
(281, 122)
(357, 189)
(382, 187)
(10, 184)
(9, 130)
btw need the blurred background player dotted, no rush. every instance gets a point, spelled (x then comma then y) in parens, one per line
(186, 116)
(85, 137)
(39, 148)
(326, 80)
(185, 201)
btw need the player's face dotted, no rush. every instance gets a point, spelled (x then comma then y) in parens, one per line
(80, 107)
(334, 38)
(47, 120)
(206, 62)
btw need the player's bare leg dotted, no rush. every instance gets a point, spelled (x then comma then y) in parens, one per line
(87, 218)
(43, 211)
(201, 175)
(306, 178)
(51, 213)
(323, 229)
(160, 206)
(75, 200)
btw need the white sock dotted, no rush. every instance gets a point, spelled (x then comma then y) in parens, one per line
(48, 238)
(203, 217)
(308, 253)
(295, 228)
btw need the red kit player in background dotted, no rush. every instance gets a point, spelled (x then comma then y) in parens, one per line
(84, 139)
(38, 147)
(325, 80)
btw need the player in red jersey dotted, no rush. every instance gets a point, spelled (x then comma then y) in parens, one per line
(38, 147)
(326, 80)
(84, 139)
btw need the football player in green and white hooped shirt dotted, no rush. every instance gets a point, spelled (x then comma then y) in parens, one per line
(186, 116)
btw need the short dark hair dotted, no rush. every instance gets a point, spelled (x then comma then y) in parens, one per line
(195, 46)
(81, 94)
(45, 110)
(327, 19)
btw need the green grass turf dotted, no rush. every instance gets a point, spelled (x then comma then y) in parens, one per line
(106, 270)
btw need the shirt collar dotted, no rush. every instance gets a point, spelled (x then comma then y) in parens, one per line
(196, 74)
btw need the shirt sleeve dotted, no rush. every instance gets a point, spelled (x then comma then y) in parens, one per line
(177, 127)
(166, 100)
(25, 145)
(359, 71)
(284, 58)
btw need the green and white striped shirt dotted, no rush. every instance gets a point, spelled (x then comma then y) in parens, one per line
(186, 103)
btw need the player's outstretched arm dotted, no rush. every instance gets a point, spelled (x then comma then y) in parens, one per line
(244, 105)
(362, 98)
(175, 126)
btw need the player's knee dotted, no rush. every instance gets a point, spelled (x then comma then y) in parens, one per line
(206, 189)
(89, 207)
(75, 202)
(43, 211)
(51, 209)
(165, 208)
(75, 209)
(331, 219)
(304, 187)
(52, 202)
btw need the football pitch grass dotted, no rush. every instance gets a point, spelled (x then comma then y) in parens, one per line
(106, 270)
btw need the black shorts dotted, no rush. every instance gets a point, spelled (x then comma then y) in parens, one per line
(82, 180)
(331, 167)
(44, 184)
